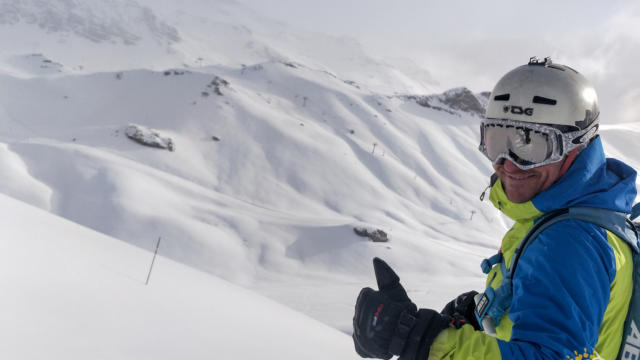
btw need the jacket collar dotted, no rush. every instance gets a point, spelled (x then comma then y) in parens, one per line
(515, 211)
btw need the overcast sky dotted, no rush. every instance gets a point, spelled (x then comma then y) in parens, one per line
(473, 43)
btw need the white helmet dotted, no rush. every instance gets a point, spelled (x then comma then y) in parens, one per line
(537, 114)
(545, 93)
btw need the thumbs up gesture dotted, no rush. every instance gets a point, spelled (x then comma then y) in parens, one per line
(387, 322)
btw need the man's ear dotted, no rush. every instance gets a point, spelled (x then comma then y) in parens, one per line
(566, 164)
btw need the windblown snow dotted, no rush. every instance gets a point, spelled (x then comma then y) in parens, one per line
(282, 143)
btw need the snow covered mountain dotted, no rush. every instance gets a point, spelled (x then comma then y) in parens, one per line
(124, 22)
(93, 35)
(281, 143)
(302, 158)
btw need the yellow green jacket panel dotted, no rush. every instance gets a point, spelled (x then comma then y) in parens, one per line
(572, 286)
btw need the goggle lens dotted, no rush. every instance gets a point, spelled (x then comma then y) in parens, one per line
(528, 145)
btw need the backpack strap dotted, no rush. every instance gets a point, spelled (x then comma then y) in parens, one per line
(635, 211)
(614, 221)
(493, 304)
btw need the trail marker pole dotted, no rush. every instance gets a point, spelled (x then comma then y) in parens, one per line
(153, 261)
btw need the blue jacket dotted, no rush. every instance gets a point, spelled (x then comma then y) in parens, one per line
(573, 285)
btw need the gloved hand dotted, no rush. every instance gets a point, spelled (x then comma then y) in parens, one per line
(387, 323)
(461, 309)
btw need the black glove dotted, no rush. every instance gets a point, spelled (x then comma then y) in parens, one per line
(387, 323)
(461, 309)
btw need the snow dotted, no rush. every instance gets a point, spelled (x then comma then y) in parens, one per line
(19, 183)
(314, 138)
(74, 293)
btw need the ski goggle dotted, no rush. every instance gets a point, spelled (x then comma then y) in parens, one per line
(529, 145)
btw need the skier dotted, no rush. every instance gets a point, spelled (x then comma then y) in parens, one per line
(570, 294)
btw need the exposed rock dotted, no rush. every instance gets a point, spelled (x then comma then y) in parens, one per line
(352, 83)
(175, 72)
(257, 67)
(36, 63)
(426, 101)
(454, 101)
(148, 137)
(289, 64)
(216, 84)
(373, 235)
(464, 100)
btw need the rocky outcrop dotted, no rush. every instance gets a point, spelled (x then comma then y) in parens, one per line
(373, 235)
(148, 137)
(454, 101)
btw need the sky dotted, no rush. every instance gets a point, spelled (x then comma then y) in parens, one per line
(472, 44)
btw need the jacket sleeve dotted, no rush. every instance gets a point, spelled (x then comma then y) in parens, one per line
(560, 294)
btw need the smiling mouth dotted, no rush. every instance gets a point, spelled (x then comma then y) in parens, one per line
(519, 177)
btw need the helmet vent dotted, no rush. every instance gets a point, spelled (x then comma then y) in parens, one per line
(503, 97)
(589, 117)
(557, 67)
(544, 100)
(572, 69)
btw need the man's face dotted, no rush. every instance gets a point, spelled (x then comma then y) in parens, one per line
(523, 185)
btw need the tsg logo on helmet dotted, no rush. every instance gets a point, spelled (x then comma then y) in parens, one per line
(518, 110)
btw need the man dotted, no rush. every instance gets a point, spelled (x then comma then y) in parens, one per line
(570, 294)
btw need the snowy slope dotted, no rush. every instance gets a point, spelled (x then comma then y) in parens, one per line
(275, 200)
(74, 293)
